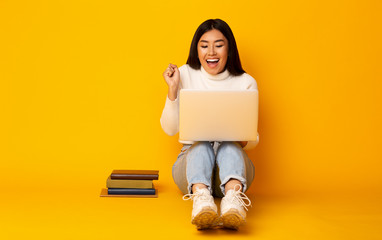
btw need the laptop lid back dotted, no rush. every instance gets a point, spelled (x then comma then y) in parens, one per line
(218, 115)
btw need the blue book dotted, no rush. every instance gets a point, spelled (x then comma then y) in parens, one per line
(131, 191)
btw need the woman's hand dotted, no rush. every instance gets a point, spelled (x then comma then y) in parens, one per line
(242, 143)
(172, 77)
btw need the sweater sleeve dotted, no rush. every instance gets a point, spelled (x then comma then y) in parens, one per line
(170, 117)
(252, 144)
(251, 84)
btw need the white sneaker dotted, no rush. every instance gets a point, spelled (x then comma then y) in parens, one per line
(232, 208)
(204, 211)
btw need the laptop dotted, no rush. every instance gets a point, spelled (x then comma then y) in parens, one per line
(218, 115)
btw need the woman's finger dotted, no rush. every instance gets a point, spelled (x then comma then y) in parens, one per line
(173, 66)
(170, 70)
(176, 69)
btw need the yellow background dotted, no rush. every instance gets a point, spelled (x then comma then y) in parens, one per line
(81, 93)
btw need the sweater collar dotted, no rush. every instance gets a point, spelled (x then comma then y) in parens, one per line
(221, 76)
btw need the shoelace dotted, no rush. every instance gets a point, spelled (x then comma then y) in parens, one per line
(199, 195)
(241, 197)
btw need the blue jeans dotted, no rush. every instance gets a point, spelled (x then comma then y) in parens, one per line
(201, 163)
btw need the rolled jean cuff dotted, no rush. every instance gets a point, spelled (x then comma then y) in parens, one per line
(239, 178)
(189, 187)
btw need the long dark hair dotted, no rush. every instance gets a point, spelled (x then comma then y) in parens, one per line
(233, 64)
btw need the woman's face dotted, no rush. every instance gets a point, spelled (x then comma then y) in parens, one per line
(213, 51)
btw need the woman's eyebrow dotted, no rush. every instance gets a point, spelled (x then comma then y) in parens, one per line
(219, 40)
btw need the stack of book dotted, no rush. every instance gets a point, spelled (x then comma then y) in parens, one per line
(131, 183)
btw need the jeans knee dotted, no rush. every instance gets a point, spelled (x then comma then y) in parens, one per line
(230, 153)
(202, 147)
(231, 147)
(201, 150)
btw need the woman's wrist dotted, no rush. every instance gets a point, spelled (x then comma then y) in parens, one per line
(172, 94)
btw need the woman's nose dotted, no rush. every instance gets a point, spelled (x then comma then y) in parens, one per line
(211, 51)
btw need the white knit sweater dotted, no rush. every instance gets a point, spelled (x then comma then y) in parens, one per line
(200, 79)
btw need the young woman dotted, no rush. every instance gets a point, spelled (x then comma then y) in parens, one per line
(207, 169)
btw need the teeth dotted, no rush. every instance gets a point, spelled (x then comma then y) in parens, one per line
(212, 60)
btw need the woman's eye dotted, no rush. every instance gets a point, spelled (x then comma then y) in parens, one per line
(204, 46)
(219, 46)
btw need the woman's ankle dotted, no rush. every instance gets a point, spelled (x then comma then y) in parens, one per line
(231, 185)
(198, 186)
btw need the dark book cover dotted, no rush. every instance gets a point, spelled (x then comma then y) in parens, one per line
(131, 191)
(104, 193)
(135, 174)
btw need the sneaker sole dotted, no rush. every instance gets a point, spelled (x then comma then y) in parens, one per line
(207, 218)
(232, 219)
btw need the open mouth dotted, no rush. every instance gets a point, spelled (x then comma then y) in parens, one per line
(212, 62)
